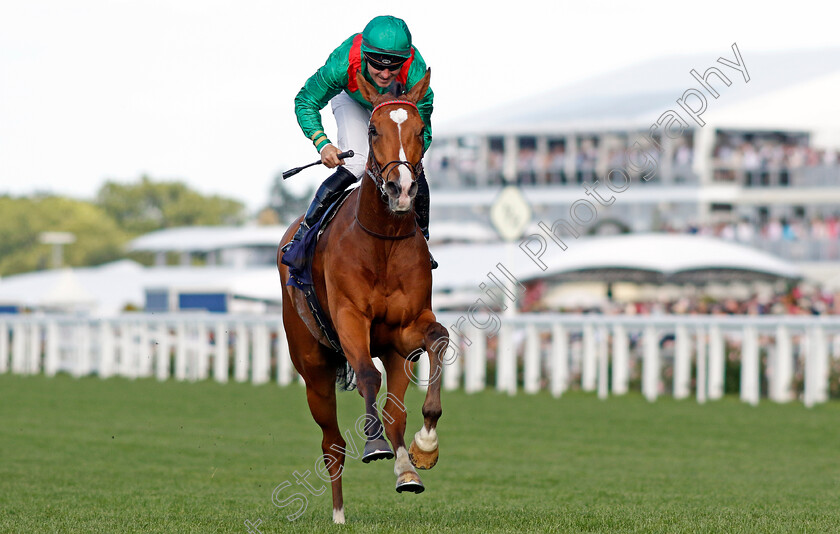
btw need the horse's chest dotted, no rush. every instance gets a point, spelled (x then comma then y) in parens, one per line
(394, 305)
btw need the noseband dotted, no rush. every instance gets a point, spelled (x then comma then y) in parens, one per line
(377, 172)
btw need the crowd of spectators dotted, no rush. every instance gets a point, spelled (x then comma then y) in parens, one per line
(585, 167)
(799, 300)
(769, 160)
(770, 151)
(750, 159)
(819, 228)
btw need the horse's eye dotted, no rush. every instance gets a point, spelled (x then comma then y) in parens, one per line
(372, 130)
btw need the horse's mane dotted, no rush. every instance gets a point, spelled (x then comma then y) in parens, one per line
(396, 89)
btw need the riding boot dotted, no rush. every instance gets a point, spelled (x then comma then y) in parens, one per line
(329, 190)
(421, 208)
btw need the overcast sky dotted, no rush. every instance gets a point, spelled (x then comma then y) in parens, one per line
(202, 90)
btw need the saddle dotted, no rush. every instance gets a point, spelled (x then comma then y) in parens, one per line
(299, 260)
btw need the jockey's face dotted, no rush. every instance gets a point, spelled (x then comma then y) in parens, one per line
(384, 77)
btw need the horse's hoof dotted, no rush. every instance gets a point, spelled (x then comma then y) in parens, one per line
(422, 459)
(377, 449)
(409, 481)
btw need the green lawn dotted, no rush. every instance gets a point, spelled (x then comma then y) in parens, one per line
(114, 455)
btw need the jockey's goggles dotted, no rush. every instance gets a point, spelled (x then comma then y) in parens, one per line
(384, 62)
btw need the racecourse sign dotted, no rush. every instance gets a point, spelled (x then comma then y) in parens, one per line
(510, 213)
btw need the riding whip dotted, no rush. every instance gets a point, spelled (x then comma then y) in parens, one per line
(292, 172)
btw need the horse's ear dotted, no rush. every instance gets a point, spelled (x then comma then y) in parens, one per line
(366, 88)
(419, 90)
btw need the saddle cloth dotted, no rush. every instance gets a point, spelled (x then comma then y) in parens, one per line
(299, 260)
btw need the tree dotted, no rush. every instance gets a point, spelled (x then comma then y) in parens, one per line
(101, 229)
(22, 220)
(146, 206)
(285, 203)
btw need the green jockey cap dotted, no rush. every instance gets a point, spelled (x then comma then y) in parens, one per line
(387, 35)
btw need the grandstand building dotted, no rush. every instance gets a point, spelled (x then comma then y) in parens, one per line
(743, 146)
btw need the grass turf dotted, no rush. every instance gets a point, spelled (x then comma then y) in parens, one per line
(92, 455)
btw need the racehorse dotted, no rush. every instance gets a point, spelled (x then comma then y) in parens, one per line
(372, 277)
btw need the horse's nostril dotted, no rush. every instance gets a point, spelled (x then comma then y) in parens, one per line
(392, 189)
(412, 191)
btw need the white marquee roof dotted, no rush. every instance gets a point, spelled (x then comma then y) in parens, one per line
(106, 289)
(209, 238)
(641, 257)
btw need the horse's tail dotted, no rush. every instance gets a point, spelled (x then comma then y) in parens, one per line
(345, 377)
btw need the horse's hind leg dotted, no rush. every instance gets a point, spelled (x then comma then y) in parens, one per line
(317, 365)
(320, 393)
(424, 448)
(394, 415)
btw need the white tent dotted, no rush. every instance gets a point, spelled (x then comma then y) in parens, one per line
(655, 258)
(67, 293)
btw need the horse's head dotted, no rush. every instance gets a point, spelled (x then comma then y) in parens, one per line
(396, 142)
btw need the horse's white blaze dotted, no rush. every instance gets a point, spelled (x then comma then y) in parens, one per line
(426, 440)
(399, 116)
(403, 462)
(338, 516)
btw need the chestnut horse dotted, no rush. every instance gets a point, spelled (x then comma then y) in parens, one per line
(373, 279)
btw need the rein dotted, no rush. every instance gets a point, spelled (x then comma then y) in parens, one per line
(375, 172)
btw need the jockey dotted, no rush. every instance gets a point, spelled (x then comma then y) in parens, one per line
(384, 54)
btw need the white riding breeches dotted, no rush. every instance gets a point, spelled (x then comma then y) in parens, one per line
(351, 120)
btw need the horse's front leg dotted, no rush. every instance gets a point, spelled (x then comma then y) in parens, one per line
(394, 414)
(354, 335)
(424, 448)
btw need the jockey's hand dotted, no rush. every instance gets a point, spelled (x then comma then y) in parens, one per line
(329, 157)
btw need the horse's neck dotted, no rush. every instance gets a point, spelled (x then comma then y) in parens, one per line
(374, 214)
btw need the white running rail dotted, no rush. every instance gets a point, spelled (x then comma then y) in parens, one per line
(782, 358)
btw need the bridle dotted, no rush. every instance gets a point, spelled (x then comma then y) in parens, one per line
(376, 172)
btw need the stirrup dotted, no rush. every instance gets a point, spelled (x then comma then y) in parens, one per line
(425, 232)
(295, 238)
